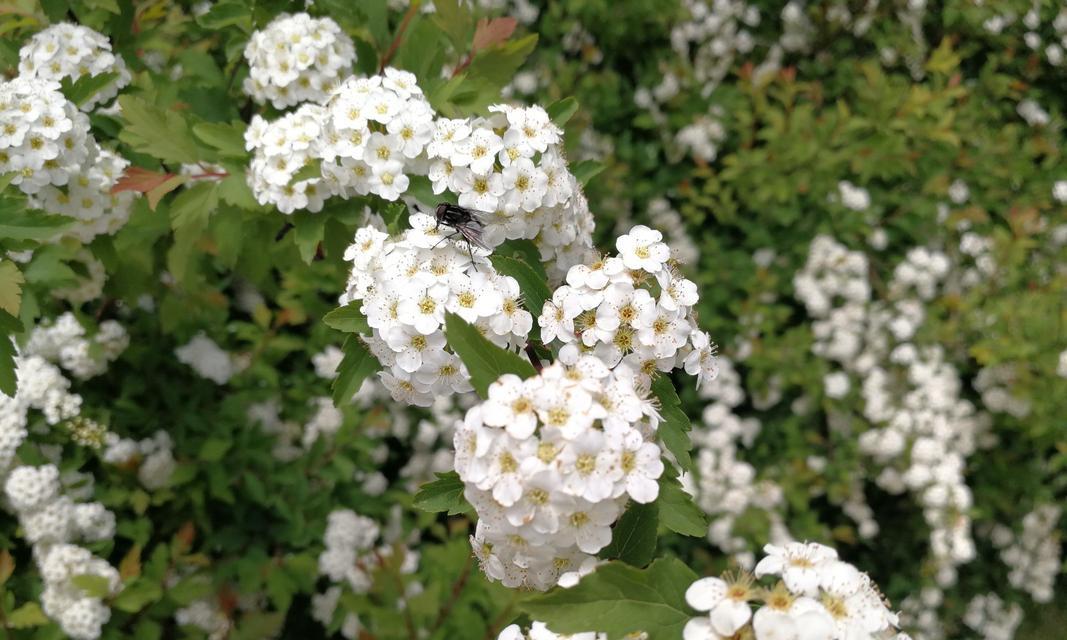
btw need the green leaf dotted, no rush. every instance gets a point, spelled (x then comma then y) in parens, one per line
(313, 169)
(11, 280)
(137, 595)
(586, 170)
(228, 138)
(193, 206)
(357, 365)
(308, 230)
(675, 426)
(534, 289)
(86, 87)
(526, 251)
(443, 494)
(633, 539)
(455, 21)
(395, 216)
(226, 13)
(26, 616)
(618, 599)
(498, 64)
(19, 223)
(485, 361)
(562, 111)
(160, 133)
(347, 319)
(214, 449)
(93, 585)
(677, 511)
(8, 379)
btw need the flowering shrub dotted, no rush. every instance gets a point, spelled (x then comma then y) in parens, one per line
(390, 320)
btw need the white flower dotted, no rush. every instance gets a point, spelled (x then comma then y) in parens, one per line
(643, 248)
(726, 604)
(510, 406)
(799, 564)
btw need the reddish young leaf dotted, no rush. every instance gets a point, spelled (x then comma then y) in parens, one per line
(492, 32)
(140, 180)
(156, 194)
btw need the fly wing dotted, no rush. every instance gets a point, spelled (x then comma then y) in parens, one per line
(473, 235)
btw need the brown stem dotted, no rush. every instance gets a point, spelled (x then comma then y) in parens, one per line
(457, 589)
(462, 66)
(395, 44)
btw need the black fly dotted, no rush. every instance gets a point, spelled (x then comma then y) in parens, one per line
(464, 222)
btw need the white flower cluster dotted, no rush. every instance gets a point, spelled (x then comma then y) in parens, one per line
(715, 34)
(88, 199)
(89, 286)
(374, 135)
(922, 431)
(817, 597)
(49, 517)
(282, 148)
(995, 383)
(726, 486)
(548, 463)
(153, 457)
(44, 139)
(63, 340)
(73, 51)
(701, 138)
(292, 438)
(852, 197)
(205, 615)
(209, 360)
(540, 631)
(405, 286)
(991, 618)
(350, 559)
(297, 58)
(1034, 556)
(633, 309)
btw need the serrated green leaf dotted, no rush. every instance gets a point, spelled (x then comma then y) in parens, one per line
(226, 13)
(308, 229)
(26, 616)
(357, 365)
(347, 319)
(618, 599)
(11, 280)
(313, 169)
(92, 585)
(562, 111)
(586, 170)
(498, 64)
(160, 133)
(193, 206)
(633, 538)
(137, 595)
(19, 223)
(456, 22)
(8, 379)
(86, 87)
(227, 137)
(485, 361)
(677, 511)
(675, 426)
(443, 494)
(534, 289)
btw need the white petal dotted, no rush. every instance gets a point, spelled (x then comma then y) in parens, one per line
(729, 616)
(705, 593)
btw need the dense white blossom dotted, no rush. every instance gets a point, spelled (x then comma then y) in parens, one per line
(208, 359)
(818, 598)
(44, 139)
(608, 309)
(73, 51)
(88, 199)
(405, 286)
(297, 58)
(548, 464)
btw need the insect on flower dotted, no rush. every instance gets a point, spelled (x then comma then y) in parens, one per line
(464, 222)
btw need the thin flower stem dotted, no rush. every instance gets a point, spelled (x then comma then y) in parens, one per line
(395, 44)
(457, 589)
